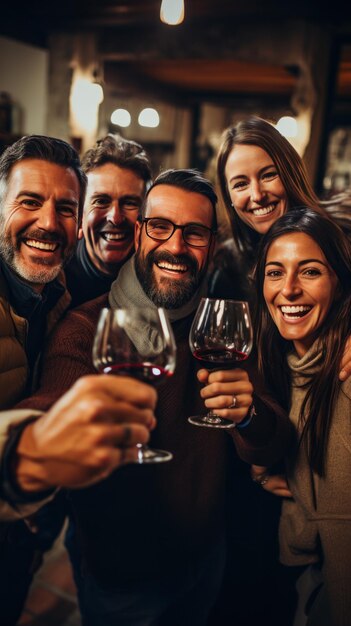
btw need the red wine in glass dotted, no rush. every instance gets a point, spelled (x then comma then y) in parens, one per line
(138, 343)
(220, 337)
(220, 356)
(146, 372)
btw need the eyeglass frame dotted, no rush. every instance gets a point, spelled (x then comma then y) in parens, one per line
(145, 220)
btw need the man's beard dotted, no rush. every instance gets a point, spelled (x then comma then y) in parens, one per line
(169, 294)
(44, 272)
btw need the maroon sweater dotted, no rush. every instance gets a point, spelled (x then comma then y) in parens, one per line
(143, 519)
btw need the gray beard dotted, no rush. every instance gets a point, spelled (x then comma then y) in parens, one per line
(44, 273)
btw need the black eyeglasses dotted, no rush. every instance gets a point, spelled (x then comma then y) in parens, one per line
(195, 235)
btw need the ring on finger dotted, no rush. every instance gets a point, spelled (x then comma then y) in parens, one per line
(233, 404)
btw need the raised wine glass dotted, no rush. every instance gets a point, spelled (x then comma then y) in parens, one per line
(221, 337)
(136, 342)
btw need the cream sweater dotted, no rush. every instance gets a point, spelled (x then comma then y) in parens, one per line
(316, 525)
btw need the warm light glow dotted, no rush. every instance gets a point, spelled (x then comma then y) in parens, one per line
(85, 100)
(149, 117)
(121, 117)
(172, 12)
(287, 127)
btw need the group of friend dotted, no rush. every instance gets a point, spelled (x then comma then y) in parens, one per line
(168, 544)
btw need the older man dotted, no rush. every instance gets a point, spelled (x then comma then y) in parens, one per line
(42, 189)
(118, 172)
(148, 545)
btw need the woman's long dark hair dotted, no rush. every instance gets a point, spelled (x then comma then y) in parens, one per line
(322, 390)
(291, 169)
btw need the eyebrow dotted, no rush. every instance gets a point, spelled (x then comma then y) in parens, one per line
(261, 171)
(299, 263)
(38, 196)
(103, 194)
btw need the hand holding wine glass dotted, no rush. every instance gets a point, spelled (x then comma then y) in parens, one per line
(136, 342)
(221, 337)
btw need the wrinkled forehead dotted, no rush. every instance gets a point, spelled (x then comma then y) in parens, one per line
(181, 206)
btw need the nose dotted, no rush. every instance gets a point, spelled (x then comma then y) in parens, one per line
(256, 193)
(176, 243)
(114, 214)
(47, 218)
(292, 287)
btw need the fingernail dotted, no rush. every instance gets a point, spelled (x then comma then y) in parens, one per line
(343, 375)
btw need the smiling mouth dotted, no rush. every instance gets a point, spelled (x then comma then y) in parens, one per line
(114, 236)
(179, 268)
(262, 211)
(294, 312)
(46, 246)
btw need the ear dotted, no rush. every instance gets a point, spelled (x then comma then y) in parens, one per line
(80, 233)
(137, 234)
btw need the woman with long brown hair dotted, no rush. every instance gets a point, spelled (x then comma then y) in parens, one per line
(260, 177)
(303, 288)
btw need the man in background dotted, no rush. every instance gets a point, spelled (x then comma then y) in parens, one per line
(118, 172)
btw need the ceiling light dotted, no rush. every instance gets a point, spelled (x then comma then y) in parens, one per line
(172, 12)
(149, 117)
(121, 117)
(287, 126)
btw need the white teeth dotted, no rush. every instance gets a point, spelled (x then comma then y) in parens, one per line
(113, 236)
(172, 267)
(295, 312)
(41, 245)
(300, 308)
(264, 210)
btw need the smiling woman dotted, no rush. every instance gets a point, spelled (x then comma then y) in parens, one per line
(299, 288)
(303, 281)
(260, 177)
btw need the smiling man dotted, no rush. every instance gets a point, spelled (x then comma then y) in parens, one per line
(118, 172)
(42, 190)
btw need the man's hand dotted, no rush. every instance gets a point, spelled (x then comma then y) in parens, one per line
(87, 434)
(274, 483)
(346, 361)
(224, 388)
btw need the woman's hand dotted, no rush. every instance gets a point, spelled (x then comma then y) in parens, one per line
(276, 484)
(227, 392)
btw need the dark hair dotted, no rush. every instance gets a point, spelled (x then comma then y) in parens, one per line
(122, 152)
(190, 180)
(46, 149)
(255, 131)
(322, 390)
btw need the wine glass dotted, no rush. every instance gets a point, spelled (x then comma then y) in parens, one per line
(220, 336)
(139, 343)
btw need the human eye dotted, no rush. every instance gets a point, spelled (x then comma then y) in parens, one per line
(159, 228)
(311, 272)
(273, 274)
(196, 233)
(31, 204)
(130, 204)
(270, 174)
(66, 210)
(239, 184)
(101, 202)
